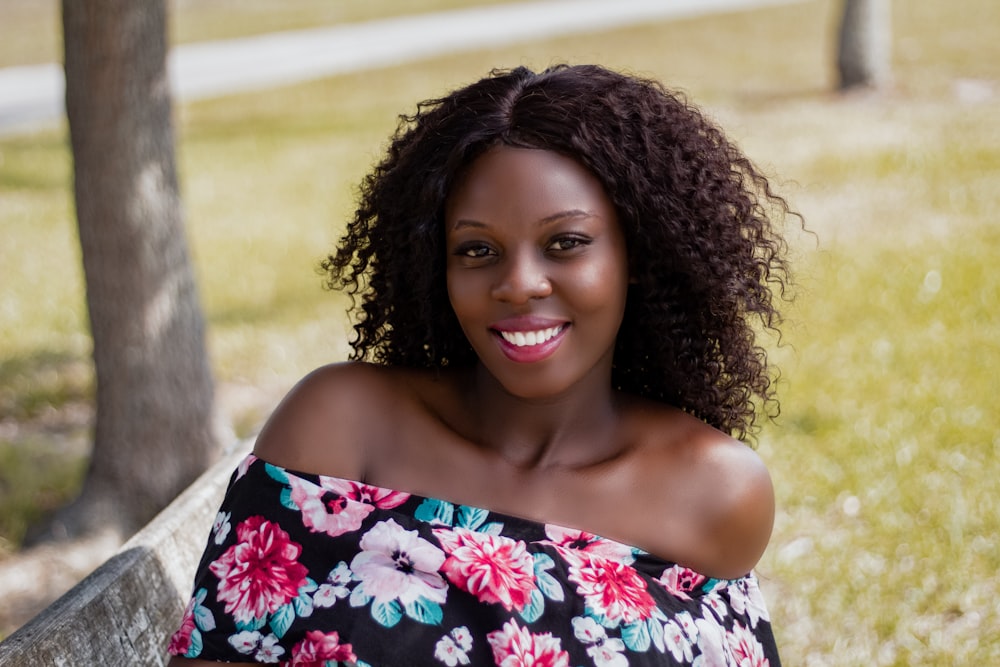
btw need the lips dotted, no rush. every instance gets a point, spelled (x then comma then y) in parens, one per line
(529, 340)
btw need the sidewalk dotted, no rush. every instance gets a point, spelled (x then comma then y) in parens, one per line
(32, 97)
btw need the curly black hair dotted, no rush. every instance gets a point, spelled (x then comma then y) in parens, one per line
(705, 255)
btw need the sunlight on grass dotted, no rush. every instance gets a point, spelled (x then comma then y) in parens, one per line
(887, 450)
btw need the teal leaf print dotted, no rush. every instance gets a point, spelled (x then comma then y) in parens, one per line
(282, 619)
(196, 647)
(546, 582)
(387, 614)
(358, 596)
(424, 611)
(535, 607)
(710, 585)
(303, 606)
(286, 499)
(276, 473)
(655, 631)
(203, 618)
(304, 602)
(435, 511)
(636, 636)
(470, 517)
(254, 624)
(492, 528)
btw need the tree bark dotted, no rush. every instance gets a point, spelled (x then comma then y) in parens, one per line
(864, 45)
(154, 427)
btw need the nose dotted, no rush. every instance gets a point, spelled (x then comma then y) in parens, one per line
(521, 278)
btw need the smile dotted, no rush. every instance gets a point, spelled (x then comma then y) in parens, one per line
(530, 338)
(528, 346)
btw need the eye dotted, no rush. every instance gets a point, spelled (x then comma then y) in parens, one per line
(564, 243)
(474, 250)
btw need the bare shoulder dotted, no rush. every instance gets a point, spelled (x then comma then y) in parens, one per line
(739, 510)
(721, 489)
(327, 420)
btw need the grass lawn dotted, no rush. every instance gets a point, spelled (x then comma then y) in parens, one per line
(887, 451)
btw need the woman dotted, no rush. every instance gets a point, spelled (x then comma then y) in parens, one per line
(535, 456)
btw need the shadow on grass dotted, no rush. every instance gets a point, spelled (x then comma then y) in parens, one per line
(45, 417)
(40, 385)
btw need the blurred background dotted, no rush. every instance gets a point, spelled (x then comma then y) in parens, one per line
(887, 450)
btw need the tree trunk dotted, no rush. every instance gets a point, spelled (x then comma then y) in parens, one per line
(154, 430)
(864, 47)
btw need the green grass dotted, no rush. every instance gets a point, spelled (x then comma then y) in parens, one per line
(885, 457)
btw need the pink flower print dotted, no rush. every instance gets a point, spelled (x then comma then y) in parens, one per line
(610, 588)
(516, 647)
(494, 568)
(365, 493)
(180, 642)
(746, 598)
(324, 511)
(398, 564)
(569, 538)
(244, 465)
(260, 572)
(746, 649)
(318, 648)
(680, 581)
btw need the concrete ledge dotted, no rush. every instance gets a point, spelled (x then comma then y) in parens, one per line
(126, 610)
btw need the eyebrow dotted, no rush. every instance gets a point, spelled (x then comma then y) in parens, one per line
(547, 220)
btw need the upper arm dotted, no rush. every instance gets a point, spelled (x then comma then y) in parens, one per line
(322, 424)
(740, 516)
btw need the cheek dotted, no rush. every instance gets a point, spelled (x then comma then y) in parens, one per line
(461, 296)
(603, 284)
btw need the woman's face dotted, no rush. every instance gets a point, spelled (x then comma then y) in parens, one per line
(537, 270)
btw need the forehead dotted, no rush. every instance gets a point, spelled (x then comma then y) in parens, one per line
(525, 183)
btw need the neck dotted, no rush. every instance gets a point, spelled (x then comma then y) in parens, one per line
(572, 430)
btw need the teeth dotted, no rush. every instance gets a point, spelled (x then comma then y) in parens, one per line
(528, 338)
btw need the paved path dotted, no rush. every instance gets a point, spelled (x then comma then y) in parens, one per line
(32, 97)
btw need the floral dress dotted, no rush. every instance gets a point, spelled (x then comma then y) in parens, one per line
(306, 569)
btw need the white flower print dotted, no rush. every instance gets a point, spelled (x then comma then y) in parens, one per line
(713, 605)
(712, 644)
(221, 527)
(677, 641)
(269, 651)
(608, 654)
(397, 564)
(462, 637)
(453, 648)
(746, 598)
(686, 623)
(603, 651)
(587, 630)
(335, 587)
(263, 649)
